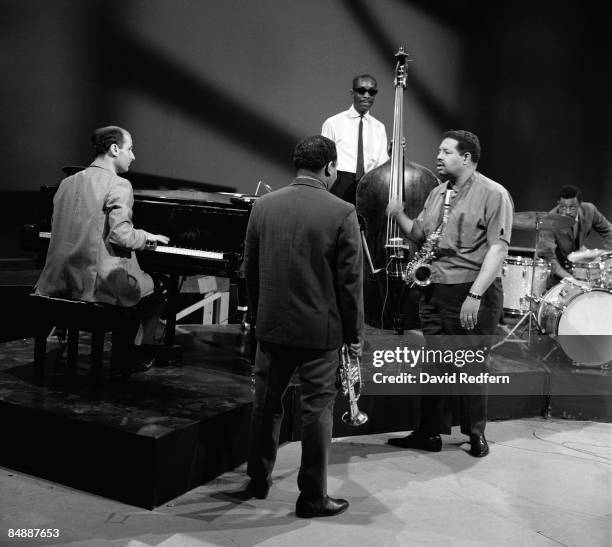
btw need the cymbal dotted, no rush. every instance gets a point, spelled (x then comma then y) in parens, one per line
(530, 220)
(586, 255)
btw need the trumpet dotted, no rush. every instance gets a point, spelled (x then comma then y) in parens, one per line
(350, 381)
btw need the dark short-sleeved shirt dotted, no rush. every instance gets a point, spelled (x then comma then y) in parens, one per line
(481, 216)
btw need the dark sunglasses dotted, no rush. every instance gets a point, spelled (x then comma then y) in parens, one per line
(364, 90)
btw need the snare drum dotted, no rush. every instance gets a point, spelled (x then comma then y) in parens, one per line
(517, 273)
(592, 266)
(571, 313)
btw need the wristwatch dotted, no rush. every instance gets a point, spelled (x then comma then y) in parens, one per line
(474, 295)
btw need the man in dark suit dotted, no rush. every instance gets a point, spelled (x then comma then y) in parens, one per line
(303, 264)
(557, 244)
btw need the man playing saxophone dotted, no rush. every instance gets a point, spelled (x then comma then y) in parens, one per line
(472, 215)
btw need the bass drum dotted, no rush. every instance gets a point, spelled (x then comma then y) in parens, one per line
(582, 322)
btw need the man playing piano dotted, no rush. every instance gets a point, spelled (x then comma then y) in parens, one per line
(91, 252)
(303, 264)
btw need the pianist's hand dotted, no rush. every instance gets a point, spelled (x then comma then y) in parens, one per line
(154, 239)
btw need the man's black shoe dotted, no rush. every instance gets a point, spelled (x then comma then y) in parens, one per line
(431, 443)
(479, 447)
(323, 507)
(143, 364)
(140, 364)
(253, 489)
(258, 489)
(165, 356)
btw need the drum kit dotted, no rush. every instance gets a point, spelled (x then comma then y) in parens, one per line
(576, 312)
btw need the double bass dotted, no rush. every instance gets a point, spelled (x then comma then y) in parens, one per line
(389, 303)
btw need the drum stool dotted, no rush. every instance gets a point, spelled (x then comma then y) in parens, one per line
(78, 315)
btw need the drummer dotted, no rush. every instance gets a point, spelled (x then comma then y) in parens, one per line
(557, 243)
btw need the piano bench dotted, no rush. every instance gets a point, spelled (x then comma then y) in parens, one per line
(76, 316)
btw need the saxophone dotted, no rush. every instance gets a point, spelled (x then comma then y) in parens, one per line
(350, 376)
(418, 270)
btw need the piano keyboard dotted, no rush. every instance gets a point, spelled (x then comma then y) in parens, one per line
(197, 253)
(187, 252)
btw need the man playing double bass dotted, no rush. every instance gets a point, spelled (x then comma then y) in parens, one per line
(465, 296)
(361, 140)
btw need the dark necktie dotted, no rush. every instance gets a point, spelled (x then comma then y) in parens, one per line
(576, 234)
(360, 169)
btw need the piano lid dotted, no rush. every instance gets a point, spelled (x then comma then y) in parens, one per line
(146, 180)
(182, 195)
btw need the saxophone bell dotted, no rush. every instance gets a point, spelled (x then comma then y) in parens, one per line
(350, 381)
(422, 275)
(418, 271)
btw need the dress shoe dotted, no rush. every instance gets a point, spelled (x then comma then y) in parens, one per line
(422, 441)
(323, 507)
(143, 364)
(479, 447)
(165, 356)
(133, 362)
(258, 489)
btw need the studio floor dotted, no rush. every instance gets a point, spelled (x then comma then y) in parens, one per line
(546, 482)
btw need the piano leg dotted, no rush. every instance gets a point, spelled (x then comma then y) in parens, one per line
(252, 346)
(171, 308)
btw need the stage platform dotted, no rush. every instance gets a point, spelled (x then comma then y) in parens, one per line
(163, 432)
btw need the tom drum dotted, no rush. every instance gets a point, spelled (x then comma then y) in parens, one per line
(593, 266)
(517, 275)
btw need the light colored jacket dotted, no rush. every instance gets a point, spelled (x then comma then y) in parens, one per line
(91, 252)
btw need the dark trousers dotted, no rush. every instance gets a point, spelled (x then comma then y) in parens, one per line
(274, 366)
(148, 310)
(439, 310)
(345, 186)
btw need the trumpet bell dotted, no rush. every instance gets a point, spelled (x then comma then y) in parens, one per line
(355, 421)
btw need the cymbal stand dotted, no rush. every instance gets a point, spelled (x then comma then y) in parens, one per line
(528, 315)
(530, 297)
(531, 317)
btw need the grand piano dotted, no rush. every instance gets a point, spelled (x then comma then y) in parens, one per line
(206, 231)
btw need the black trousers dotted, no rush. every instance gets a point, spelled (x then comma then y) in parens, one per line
(148, 308)
(274, 366)
(345, 186)
(439, 310)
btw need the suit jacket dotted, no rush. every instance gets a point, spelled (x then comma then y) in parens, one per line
(303, 264)
(91, 254)
(555, 245)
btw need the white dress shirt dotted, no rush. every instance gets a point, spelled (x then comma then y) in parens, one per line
(343, 129)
